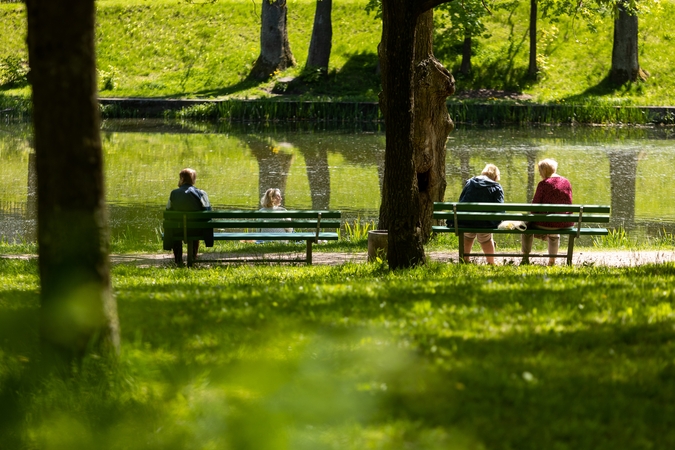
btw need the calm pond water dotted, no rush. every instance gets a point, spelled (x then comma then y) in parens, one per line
(628, 168)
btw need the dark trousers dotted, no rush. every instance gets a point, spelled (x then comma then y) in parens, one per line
(178, 251)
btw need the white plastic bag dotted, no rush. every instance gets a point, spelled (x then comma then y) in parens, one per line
(512, 225)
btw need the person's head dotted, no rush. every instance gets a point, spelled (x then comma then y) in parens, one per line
(187, 176)
(271, 198)
(547, 167)
(491, 171)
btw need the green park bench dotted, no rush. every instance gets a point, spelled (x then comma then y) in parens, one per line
(582, 215)
(236, 225)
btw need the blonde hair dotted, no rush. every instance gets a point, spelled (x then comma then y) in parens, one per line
(267, 200)
(491, 171)
(547, 167)
(187, 176)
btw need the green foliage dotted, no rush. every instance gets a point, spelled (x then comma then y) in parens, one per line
(616, 239)
(13, 71)
(107, 79)
(354, 357)
(358, 229)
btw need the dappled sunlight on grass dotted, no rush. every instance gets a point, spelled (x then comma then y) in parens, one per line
(355, 356)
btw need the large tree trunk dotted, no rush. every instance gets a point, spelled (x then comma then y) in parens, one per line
(399, 210)
(532, 69)
(275, 50)
(78, 312)
(433, 83)
(625, 65)
(322, 36)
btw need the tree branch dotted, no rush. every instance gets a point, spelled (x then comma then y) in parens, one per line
(426, 5)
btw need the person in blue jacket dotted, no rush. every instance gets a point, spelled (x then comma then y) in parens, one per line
(187, 198)
(482, 188)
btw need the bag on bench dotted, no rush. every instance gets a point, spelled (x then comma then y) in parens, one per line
(512, 225)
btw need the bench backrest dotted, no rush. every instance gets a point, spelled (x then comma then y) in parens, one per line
(452, 212)
(252, 219)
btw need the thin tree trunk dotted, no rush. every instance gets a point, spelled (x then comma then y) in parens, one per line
(273, 166)
(625, 65)
(532, 69)
(465, 67)
(433, 83)
(78, 312)
(275, 50)
(322, 36)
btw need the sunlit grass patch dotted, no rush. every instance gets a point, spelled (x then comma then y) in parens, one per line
(352, 355)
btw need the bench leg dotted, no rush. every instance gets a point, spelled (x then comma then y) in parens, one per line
(460, 235)
(309, 251)
(570, 250)
(190, 251)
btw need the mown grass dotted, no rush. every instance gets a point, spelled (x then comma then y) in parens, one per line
(174, 48)
(354, 356)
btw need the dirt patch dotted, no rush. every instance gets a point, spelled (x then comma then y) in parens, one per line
(599, 258)
(628, 258)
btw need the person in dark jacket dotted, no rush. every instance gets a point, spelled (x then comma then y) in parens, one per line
(486, 189)
(187, 198)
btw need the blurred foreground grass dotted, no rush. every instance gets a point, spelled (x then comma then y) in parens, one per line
(355, 357)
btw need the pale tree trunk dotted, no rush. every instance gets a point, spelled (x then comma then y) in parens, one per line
(275, 50)
(465, 67)
(623, 176)
(322, 36)
(532, 69)
(78, 311)
(625, 65)
(433, 83)
(273, 166)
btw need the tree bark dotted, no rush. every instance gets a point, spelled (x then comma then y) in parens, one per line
(433, 83)
(465, 67)
(275, 50)
(532, 69)
(625, 65)
(322, 36)
(399, 210)
(78, 311)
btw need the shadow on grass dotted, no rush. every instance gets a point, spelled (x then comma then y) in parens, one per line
(356, 78)
(219, 353)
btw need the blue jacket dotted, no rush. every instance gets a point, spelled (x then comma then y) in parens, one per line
(484, 190)
(188, 198)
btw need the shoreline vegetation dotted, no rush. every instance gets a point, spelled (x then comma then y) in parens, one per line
(285, 110)
(185, 60)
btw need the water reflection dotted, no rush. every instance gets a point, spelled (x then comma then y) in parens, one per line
(343, 169)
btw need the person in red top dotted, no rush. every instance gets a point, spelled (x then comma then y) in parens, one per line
(552, 189)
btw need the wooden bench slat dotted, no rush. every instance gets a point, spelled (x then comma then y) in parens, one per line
(492, 216)
(253, 224)
(525, 207)
(565, 231)
(238, 214)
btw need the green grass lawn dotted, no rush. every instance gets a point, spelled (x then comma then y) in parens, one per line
(176, 48)
(354, 357)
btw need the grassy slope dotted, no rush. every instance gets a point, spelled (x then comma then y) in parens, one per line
(174, 48)
(354, 357)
